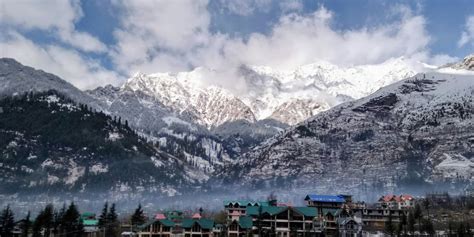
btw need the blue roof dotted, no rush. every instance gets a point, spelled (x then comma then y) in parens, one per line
(325, 198)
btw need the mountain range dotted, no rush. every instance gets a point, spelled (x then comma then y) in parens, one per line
(374, 126)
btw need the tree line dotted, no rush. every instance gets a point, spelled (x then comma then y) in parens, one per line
(65, 221)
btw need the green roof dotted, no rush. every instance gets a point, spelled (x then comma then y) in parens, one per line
(333, 211)
(87, 214)
(90, 222)
(271, 210)
(307, 211)
(204, 223)
(245, 222)
(165, 222)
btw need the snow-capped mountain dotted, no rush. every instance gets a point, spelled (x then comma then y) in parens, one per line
(184, 94)
(188, 116)
(269, 93)
(316, 87)
(418, 132)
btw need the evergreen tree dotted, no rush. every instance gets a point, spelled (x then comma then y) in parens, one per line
(48, 219)
(138, 218)
(103, 216)
(7, 222)
(58, 219)
(112, 229)
(72, 223)
(37, 225)
(25, 226)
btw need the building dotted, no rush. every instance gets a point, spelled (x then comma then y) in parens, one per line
(241, 227)
(325, 201)
(198, 227)
(90, 223)
(236, 209)
(284, 221)
(396, 202)
(157, 228)
(349, 227)
(374, 219)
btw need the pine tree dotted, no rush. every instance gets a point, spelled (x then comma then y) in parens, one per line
(48, 219)
(138, 218)
(112, 229)
(103, 216)
(58, 219)
(72, 223)
(25, 226)
(7, 222)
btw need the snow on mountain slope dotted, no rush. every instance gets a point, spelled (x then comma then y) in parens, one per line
(397, 137)
(269, 93)
(16, 78)
(318, 83)
(183, 93)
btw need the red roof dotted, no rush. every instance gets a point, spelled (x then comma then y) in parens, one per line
(391, 198)
(196, 216)
(160, 216)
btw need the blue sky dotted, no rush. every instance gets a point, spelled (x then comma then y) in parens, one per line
(92, 43)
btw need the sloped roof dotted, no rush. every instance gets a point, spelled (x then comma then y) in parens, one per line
(307, 211)
(160, 216)
(333, 211)
(325, 198)
(87, 214)
(247, 203)
(271, 210)
(165, 222)
(245, 222)
(204, 223)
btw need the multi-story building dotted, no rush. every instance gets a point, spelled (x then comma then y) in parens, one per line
(377, 218)
(284, 221)
(326, 201)
(236, 209)
(396, 202)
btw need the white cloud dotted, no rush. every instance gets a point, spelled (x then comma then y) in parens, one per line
(300, 39)
(291, 5)
(468, 33)
(146, 43)
(246, 7)
(66, 63)
(156, 32)
(55, 16)
(442, 59)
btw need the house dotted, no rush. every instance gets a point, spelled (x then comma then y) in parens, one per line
(157, 228)
(236, 209)
(374, 219)
(198, 227)
(90, 223)
(242, 227)
(396, 202)
(325, 201)
(284, 221)
(349, 227)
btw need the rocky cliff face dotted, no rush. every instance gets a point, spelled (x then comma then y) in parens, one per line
(417, 132)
